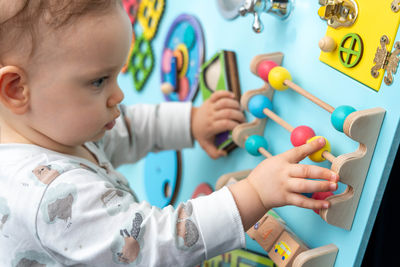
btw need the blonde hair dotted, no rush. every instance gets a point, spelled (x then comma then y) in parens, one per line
(19, 19)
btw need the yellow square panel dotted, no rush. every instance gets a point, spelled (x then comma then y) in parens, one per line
(375, 19)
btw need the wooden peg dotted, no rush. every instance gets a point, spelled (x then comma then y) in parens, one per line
(327, 44)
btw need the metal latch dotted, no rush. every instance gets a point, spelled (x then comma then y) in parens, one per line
(338, 13)
(395, 5)
(386, 60)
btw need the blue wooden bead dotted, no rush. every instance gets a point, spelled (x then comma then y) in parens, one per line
(253, 143)
(339, 115)
(257, 104)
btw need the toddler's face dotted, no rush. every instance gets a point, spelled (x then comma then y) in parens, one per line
(73, 82)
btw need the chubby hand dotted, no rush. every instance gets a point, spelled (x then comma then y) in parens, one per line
(220, 113)
(280, 180)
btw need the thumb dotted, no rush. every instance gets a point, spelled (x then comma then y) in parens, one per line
(299, 153)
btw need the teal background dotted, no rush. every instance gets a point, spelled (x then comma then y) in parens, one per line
(298, 39)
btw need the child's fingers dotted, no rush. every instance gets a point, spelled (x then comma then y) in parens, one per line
(212, 150)
(224, 103)
(305, 202)
(232, 114)
(220, 126)
(221, 94)
(299, 153)
(310, 186)
(313, 172)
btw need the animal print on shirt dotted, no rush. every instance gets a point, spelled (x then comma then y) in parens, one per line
(57, 203)
(127, 250)
(32, 258)
(186, 230)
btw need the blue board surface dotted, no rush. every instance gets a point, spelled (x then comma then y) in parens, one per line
(161, 177)
(298, 39)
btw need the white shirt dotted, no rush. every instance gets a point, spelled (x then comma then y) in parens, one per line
(57, 209)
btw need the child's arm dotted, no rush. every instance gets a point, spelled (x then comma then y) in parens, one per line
(220, 113)
(85, 217)
(144, 128)
(88, 216)
(279, 181)
(170, 125)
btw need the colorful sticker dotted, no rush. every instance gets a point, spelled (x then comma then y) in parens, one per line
(282, 249)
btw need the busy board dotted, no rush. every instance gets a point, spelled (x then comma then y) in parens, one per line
(318, 64)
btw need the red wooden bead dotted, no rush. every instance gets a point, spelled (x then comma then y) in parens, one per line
(300, 135)
(264, 67)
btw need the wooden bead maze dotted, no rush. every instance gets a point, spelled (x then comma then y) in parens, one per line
(361, 126)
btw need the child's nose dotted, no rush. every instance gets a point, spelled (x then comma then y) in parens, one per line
(115, 98)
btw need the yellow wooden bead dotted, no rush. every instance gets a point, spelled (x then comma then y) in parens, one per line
(277, 76)
(317, 156)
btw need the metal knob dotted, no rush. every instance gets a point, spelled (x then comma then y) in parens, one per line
(278, 8)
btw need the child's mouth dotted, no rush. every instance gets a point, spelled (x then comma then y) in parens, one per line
(110, 125)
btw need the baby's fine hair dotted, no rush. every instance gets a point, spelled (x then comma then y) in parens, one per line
(19, 19)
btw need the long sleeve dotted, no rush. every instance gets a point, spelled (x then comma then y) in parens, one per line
(88, 220)
(148, 128)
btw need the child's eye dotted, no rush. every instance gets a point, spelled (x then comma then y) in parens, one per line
(99, 82)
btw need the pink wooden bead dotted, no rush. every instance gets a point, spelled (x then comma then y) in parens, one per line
(321, 196)
(300, 135)
(264, 67)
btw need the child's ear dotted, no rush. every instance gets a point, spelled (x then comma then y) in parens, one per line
(14, 92)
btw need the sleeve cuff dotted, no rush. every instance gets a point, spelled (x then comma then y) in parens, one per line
(220, 223)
